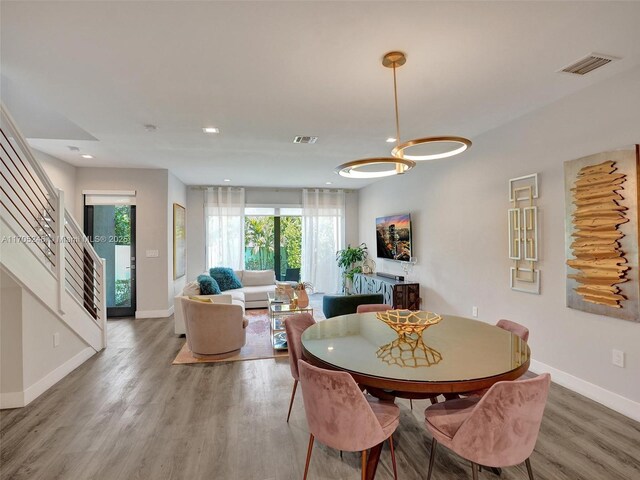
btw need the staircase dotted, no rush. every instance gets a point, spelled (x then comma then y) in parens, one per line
(42, 247)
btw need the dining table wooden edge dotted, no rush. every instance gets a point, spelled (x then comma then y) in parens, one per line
(417, 390)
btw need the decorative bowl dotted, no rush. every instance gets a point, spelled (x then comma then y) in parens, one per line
(407, 322)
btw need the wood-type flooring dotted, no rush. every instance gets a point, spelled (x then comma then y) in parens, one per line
(128, 414)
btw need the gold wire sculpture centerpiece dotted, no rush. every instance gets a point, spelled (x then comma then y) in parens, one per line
(407, 352)
(408, 322)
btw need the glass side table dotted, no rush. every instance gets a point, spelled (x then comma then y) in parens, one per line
(278, 311)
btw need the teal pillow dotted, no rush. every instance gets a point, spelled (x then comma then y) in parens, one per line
(208, 285)
(226, 278)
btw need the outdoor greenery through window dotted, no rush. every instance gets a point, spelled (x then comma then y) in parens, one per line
(273, 237)
(122, 221)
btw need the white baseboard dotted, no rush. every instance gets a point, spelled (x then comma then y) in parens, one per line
(616, 402)
(11, 400)
(49, 380)
(154, 313)
(22, 399)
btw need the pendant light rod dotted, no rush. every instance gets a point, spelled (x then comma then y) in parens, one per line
(395, 99)
(394, 60)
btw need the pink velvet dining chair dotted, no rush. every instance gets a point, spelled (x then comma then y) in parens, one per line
(342, 417)
(498, 430)
(515, 328)
(373, 307)
(295, 325)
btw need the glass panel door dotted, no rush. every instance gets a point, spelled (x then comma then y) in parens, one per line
(290, 248)
(259, 242)
(111, 230)
(273, 242)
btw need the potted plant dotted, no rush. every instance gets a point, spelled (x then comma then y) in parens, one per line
(301, 292)
(350, 261)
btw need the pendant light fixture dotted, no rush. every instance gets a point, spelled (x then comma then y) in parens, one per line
(375, 167)
(404, 154)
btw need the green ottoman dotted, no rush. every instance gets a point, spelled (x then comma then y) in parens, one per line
(335, 305)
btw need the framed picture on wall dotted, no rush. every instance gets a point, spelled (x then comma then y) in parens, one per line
(179, 241)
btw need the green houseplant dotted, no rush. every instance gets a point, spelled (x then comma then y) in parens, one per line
(350, 261)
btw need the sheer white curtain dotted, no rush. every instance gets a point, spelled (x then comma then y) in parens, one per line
(322, 236)
(224, 222)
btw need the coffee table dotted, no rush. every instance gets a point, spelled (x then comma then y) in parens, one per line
(278, 311)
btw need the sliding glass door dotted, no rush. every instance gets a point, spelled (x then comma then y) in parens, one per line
(273, 241)
(290, 247)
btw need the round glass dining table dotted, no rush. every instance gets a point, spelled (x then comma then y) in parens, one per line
(456, 355)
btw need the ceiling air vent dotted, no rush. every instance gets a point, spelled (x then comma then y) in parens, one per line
(303, 139)
(589, 64)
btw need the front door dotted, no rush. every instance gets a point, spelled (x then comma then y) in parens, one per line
(111, 230)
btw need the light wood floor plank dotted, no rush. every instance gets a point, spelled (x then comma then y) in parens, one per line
(129, 414)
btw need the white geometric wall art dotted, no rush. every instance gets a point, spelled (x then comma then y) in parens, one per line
(523, 234)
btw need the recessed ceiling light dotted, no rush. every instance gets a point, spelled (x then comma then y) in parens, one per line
(149, 127)
(210, 130)
(390, 140)
(227, 179)
(328, 183)
(86, 155)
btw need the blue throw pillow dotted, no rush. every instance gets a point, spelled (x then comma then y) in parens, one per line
(226, 278)
(208, 285)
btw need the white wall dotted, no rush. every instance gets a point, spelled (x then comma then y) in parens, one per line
(196, 253)
(39, 325)
(152, 224)
(63, 176)
(30, 363)
(196, 261)
(352, 228)
(11, 381)
(459, 212)
(176, 193)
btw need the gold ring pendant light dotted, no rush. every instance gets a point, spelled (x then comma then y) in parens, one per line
(402, 161)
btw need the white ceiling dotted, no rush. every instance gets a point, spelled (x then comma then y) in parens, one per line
(264, 72)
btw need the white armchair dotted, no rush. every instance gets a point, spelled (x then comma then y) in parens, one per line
(214, 329)
(178, 309)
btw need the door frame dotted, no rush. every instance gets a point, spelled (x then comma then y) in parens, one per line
(113, 312)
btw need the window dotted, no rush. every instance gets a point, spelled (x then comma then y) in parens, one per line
(273, 237)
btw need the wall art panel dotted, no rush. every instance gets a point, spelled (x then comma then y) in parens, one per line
(522, 217)
(601, 240)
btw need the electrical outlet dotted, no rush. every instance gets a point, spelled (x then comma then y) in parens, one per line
(474, 312)
(56, 339)
(617, 358)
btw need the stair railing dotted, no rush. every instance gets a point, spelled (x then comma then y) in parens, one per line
(34, 210)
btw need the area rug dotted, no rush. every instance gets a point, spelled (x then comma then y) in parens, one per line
(258, 344)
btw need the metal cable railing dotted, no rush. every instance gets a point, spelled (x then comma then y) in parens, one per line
(83, 268)
(27, 202)
(33, 209)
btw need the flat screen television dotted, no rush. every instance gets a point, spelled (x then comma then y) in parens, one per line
(393, 237)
